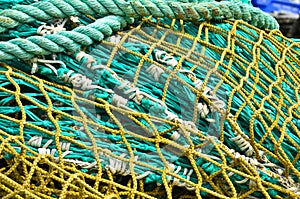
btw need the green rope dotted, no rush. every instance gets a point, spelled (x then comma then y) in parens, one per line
(6, 4)
(47, 10)
(62, 41)
(84, 35)
(125, 66)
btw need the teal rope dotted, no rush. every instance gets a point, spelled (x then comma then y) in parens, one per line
(46, 10)
(6, 4)
(71, 40)
(60, 42)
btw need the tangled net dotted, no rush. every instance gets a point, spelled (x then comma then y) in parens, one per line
(147, 107)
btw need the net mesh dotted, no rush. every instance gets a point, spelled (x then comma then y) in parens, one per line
(231, 129)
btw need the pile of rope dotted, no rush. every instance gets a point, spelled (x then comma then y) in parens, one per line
(147, 99)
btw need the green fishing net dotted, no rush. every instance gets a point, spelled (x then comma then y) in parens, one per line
(100, 103)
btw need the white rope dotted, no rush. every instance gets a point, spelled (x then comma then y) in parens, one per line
(203, 110)
(141, 176)
(260, 165)
(175, 136)
(65, 146)
(220, 104)
(198, 85)
(81, 164)
(242, 143)
(74, 19)
(155, 71)
(35, 141)
(115, 39)
(120, 102)
(89, 59)
(103, 67)
(171, 116)
(81, 81)
(53, 28)
(176, 182)
(290, 184)
(189, 73)
(136, 94)
(165, 58)
(47, 63)
(117, 166)
(46, 145)
(189, 126)
(44, 151)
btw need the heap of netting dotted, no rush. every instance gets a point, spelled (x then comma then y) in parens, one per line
(165, 108)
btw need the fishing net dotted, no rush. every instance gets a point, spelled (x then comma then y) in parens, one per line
(95, 106)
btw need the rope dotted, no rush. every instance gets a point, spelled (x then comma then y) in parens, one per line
(111, 132)
(168, 109)
(61, 42)
(46, 10)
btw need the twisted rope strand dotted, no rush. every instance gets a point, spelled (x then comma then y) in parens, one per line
(62, 41)
(46, 10)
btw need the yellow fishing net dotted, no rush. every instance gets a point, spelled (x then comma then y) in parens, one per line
(237, 83)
